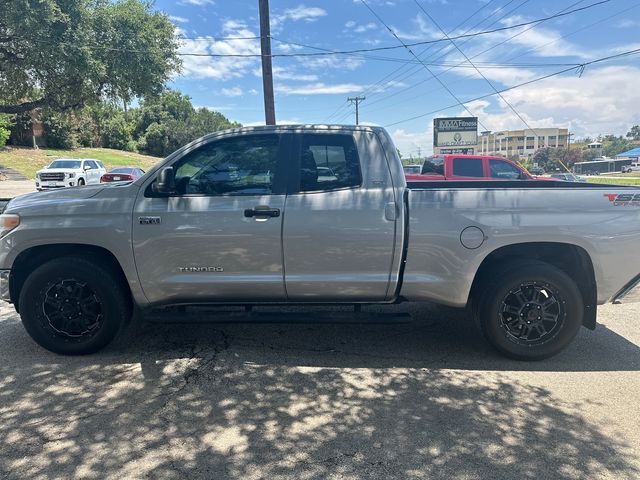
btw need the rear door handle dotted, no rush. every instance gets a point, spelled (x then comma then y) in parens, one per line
(262, 211)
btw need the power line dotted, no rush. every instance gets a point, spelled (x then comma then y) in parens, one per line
(407, 62)
(417, 58)
(475, 56)
(413, 70)
(321, 53)
(477, 70)
(600, 21)
(529, 82)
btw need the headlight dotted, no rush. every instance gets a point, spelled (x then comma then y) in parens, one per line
(37, 176)
(8, 221)
(71, 175)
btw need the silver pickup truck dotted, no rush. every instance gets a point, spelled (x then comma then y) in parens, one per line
(317, 215)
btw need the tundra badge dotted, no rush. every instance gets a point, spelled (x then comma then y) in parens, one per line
(149, 220)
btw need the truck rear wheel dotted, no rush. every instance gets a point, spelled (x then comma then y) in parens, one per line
(530, 310)
(73, 306)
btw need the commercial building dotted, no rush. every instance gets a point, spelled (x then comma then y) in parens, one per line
(523, 143)
(633, 154)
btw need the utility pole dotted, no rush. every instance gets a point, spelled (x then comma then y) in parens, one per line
(267, 71)
(356, 101)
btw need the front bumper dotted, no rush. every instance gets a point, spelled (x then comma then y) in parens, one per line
(4, 285)
(52, 185)
(630, 293)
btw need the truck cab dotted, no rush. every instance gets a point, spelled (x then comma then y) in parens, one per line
(469, 167)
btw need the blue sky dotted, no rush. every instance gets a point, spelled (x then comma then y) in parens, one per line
(604, 99)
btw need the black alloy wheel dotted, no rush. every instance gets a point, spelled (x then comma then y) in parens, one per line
(529, 310)
(72, 308)
(74, 305)
(532, 313)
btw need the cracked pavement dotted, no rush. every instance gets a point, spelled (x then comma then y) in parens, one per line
(421, 399)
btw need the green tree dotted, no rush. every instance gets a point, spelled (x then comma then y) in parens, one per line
(612, 145)
(65, 54)
(168, 121)
(634, 133)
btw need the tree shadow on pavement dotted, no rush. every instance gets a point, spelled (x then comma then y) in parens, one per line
(297, 401)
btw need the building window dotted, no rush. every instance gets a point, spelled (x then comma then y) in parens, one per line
(530, 139)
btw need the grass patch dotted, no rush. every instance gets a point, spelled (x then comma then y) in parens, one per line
(28, 161)
(614, 181)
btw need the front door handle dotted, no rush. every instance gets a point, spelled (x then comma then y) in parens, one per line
(262, 211)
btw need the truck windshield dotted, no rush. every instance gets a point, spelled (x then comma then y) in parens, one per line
(65, 164)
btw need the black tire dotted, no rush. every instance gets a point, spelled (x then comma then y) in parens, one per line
(80, 182)
(521, 301)
(94, 305)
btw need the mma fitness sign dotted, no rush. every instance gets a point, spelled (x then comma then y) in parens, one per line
(455, 131)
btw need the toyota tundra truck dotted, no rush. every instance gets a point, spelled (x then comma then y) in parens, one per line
(243, 217)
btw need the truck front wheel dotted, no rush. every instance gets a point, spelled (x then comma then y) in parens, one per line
(530, 310)
(73, 305)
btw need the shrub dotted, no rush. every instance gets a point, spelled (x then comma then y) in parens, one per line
(5, 129)
(58, 130)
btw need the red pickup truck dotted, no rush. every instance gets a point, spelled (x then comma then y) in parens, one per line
(470, 167)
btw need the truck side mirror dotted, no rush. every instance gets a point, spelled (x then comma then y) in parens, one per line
(166, 181)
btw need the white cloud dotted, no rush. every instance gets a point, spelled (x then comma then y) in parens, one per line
(627, 23)
(301, 12)
(221, 68)
(604, 100)
(232, 92)
(282, 73)
(177, 19)
(421, 31)
(287, 47)
(198, 3)
(331, 61)
(410, 142)
(319, 89)
(353, 26)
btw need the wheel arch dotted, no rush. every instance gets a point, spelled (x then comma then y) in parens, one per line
(31, 258)
(571, 259)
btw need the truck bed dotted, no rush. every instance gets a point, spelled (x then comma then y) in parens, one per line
(488, 216)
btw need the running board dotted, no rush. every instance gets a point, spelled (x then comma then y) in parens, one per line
(252, 316)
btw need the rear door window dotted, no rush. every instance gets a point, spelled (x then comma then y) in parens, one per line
(328, 162)
(468, 167)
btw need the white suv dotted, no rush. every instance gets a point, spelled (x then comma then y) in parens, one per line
(634, 167)
(68, 172)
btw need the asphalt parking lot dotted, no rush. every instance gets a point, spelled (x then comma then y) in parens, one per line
(421, 399)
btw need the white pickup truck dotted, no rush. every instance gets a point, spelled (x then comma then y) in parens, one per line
(251, 217)
(634, 167)
(69, 172)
